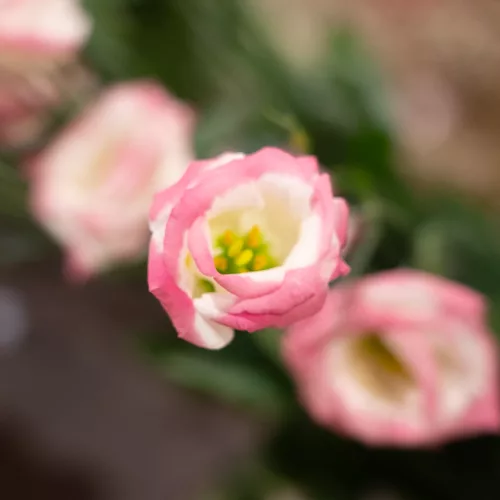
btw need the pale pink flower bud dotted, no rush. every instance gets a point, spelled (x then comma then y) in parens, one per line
(398, 358)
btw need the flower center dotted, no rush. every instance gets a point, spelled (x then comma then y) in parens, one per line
(372, 347)
(243, 253)
(378, 368)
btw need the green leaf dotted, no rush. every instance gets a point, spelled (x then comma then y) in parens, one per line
(240, 374)
(431, 248)
(236, 383)
(12, 192)
(109, 48)
(469, 242)
(269, 342)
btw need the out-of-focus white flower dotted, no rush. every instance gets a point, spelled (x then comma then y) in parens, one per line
(92, 187)
(49, 29)
(37, 38)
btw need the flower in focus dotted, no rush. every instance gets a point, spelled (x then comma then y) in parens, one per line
(93, 186)
(37, 39)
(400, 358)
(245, 242)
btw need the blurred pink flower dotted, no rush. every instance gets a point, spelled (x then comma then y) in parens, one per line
(398, 358)
(93, 186)
(245, 242)
(47, 28)
(37, 38)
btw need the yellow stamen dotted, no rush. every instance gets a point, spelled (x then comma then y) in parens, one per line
(189, 260)
(242, 270)
(235, 248)
(220, 263)
(254, 237)
(259, 262)
(228, 237)
(375, 349)
(244, 258)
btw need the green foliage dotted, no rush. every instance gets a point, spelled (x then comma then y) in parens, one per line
(240, 375)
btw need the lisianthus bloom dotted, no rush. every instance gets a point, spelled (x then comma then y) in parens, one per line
(37, 39)
(398, 358)
(41, 27)
(245, 242)
(93, 186)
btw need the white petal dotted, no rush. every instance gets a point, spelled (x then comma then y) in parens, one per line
(410, 301)
(462, 372)
(159, 225)
(359, 396)
(214, 305)
(213, 335)
(306, 250)
(223, 159)
(58, 21)
(241, 197)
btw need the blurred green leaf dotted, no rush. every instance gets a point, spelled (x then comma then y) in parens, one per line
(431, 249)
(12, 192)
(269, 342)
(232, 381)
(233, 127)
(240, 374)
(358, 80)
(469, 241)
(109, 48)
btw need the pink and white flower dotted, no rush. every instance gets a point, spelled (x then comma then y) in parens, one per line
(398, 358)
(37, 38)
(54, 28)
(245, 242)
(92, 188)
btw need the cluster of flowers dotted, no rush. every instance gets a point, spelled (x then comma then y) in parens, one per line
(247, 242)
(92, 185)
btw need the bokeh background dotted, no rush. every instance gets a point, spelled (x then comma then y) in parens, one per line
(400, 100)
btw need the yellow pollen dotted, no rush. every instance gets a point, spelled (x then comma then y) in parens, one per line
(242, 253)
(254, 238)
(235, 248)
(259, 262)
(374, 348)
(244, 258)
(228, 237)
(189, 260)
(220, 263)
